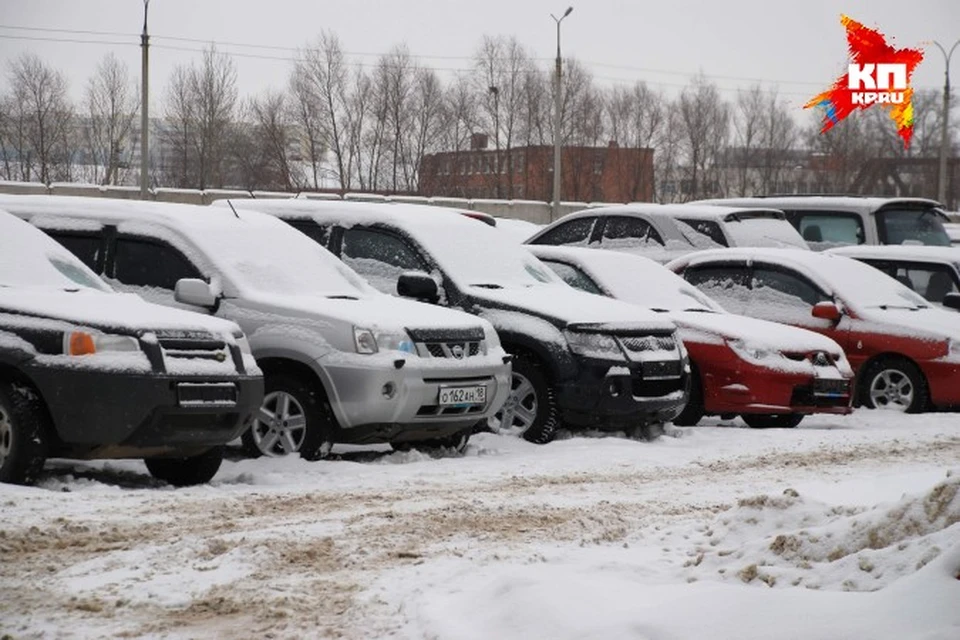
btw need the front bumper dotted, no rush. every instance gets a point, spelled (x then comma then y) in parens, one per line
(123, 414)
(614, 396)
(943, 376)
(736, 386)
(395, 397)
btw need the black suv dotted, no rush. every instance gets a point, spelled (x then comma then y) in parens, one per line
(89, 373)
(580, 359)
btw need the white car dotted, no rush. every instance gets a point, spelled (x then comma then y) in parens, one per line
(341, 361)
(832, 221)
(933, 272)
(739, 226)
(645, 229)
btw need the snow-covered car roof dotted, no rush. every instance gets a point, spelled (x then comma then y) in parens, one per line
(855, 282)
(244, 248)
(29, 258)
(918, 253)
(863, 204)
(518, 230)
(706, 212)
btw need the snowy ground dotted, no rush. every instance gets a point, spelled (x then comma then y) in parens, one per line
(843, 528)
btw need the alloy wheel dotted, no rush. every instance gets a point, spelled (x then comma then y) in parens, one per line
(520, 410)
(892, 390)
(281, 425)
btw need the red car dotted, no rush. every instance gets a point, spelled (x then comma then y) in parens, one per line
(906, 352)
(768, 373)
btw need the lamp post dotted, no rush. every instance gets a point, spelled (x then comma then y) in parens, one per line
(555, 211)
(944, 122)
(495, 92)
(144, 107)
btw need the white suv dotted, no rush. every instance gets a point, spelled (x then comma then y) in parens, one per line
(341, 361)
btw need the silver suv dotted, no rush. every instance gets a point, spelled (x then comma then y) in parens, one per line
(341, 361)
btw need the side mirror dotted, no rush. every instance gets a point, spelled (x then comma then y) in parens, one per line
(826, 311)
(418, 285)
(952, 301)
(196, 292)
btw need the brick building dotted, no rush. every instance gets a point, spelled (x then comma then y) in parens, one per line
(590, 174)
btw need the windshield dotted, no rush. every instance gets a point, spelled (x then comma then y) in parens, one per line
(269, 256)
(646, 283)
(478, 256)
(867, 287)
(912, 226)
(29, 258)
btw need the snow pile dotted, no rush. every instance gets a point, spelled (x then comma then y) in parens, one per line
(806, 543)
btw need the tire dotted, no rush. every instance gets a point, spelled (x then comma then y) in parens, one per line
(693, 412)
(186, 472)
(894, 384)
(772, 420)
(531, 410)
(294, 418)
(23, 438)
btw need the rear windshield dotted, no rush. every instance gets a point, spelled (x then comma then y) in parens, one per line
(912, 226)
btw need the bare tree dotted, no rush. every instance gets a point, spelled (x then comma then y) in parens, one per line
(111, 108)
(637, 118)
(201, 103)
(42, 117)
(705, 118)
(260, 145)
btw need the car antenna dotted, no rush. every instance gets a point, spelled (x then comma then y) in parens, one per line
(232, 209)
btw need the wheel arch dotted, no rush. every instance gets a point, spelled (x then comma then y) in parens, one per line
(10, 373)
(886, 355)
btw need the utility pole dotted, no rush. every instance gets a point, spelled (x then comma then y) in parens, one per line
(555, 210)
(495, 91)
(944, 124)
(144, 107)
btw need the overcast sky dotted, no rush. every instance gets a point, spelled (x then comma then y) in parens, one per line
(798, 45)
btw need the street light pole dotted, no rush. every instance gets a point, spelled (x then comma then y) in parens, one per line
(495, 90)
(944, 122)
(555, 210)
(144, 107)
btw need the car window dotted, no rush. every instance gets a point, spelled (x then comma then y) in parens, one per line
(575, 232)
(911, 226)
(86, 246)
(932, 281)
(782, 294)
(380, 257)
(727, 284)
(573, 276)
(149, 263)
(626, 231)
(824, 230)
(311, 229)
(709, 228)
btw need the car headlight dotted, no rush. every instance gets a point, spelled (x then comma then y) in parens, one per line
(750, 352)
(369, 341)
(89, 341)
(593, 345)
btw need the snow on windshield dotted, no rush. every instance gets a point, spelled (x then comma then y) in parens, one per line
(641, 281)
(866, 286)
(475, 254)
(764, 232)
(29, 258)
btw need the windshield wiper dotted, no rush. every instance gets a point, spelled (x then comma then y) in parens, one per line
(699, 310)
(902, 306)
(487, 285)
(342, 296)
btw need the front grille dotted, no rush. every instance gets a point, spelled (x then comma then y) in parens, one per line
(639, 344)
(457, 350)
(472, 334)
(192, 345)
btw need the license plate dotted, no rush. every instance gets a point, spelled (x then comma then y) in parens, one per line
(831, 388)
(207, 394)
(453, 396)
